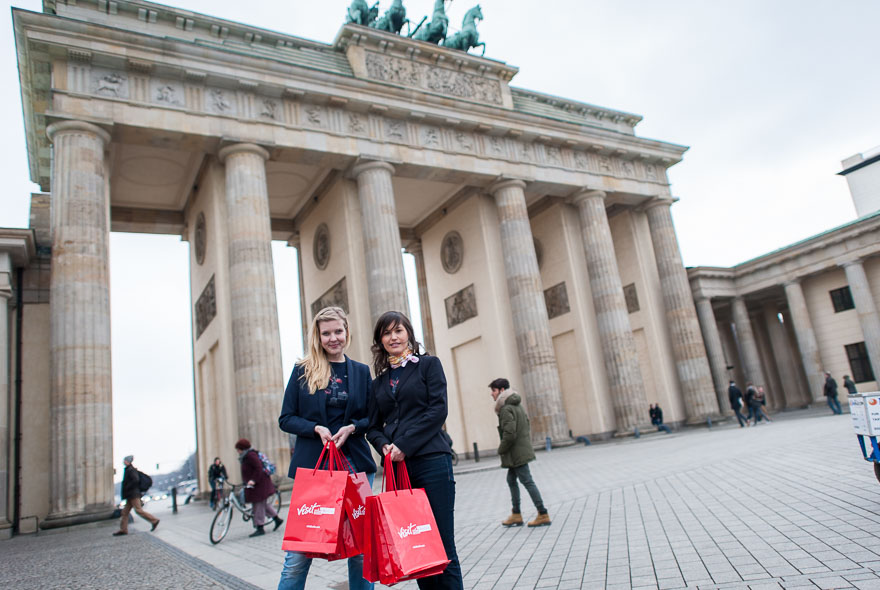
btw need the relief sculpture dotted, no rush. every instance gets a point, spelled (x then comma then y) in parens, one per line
(206, 308)
(461, 306)
(556, 299)
(335, 296)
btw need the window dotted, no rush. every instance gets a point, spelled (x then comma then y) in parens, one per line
(842, 299)
(859, 363)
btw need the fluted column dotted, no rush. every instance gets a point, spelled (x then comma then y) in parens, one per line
(745, 336)
(385, 279)
(806, 339)
(415, 248)
(5, 400)
(866, 308)
(782, 353)
(691, 363)
(715, 351)
(81, 416)
(618, 344)
(531, 325)
(256, 342)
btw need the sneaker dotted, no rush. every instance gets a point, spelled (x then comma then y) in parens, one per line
(119, 533)
(155, 524)
(540, 520)
(515, 519)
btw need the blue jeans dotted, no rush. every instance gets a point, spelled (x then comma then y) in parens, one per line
(664, 428)
(434, 474)
(834, 404)
(296, 568)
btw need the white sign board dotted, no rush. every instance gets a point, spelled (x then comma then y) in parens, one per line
(858, 414)
(872, 411)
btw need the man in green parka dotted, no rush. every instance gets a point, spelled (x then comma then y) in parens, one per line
(516, 451)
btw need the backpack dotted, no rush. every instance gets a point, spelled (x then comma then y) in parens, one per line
(145, 482)
(268, 466)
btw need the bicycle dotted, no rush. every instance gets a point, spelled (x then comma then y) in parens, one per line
(234, 498)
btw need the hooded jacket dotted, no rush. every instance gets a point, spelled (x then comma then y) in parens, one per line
(515, 449)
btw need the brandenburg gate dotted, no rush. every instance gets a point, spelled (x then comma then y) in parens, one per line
(540, 226)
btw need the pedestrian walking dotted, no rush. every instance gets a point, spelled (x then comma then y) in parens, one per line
(736, 403)
(850, 386)
(656, 415)
(131, 493)
(259, 487)
(215, 472)
(830, 390)
(408, 407)
(327, 399)
(759, 400)
(516, 452)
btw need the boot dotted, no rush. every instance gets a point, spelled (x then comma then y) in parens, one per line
(540, 520)
(258, 532)
(515, 519)
(278, 523)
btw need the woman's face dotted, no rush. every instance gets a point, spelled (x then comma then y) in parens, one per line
(395, 339)
(332, 337)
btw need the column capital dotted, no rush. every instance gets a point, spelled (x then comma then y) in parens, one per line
(586, 194)
(791, 282)
(853, 262)
(242, 147)
(295, 240)
(362, 167)
(413, 247)
(657, 202)
(74, 126)
(504, 183)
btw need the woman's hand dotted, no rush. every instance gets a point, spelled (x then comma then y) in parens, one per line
(323, 433)
(396, 454)
(386, 449)
(251, 483)
(342, 435)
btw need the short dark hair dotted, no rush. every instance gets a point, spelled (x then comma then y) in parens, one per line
(500, 383)
(387, 320)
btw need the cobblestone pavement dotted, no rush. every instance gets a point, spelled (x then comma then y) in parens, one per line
(785, 505)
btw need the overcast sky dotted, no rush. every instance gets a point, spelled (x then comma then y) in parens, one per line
(769, 95)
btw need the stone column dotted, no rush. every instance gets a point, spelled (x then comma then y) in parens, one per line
(806, 339)
(385, 278)
(81, 415)
(691, 363)
(782, 353)
(715, 351)
(748, 347)
(866, 308)
(5, 399)
(256, 343)
(415, 248)
(531, 325)
(618, 344)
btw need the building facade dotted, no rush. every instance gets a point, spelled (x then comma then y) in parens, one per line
(541, 229)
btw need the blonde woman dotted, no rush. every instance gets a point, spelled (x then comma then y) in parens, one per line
(326, 399)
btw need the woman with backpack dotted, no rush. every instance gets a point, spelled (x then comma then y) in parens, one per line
(259, 487)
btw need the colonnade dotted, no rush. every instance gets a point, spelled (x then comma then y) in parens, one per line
(81, 462)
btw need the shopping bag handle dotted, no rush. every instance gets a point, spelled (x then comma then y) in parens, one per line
(334, 459)
(396, 478)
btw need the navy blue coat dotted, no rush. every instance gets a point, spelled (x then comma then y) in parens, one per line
(413, 418)
(301, 412)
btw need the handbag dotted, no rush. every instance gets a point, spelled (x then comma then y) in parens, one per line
(315, 517)
(403, 542)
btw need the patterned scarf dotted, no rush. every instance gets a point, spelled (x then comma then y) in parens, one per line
(400, 361)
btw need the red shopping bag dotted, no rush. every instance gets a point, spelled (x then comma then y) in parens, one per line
(315, 517)
(355, 503)
(405, 541)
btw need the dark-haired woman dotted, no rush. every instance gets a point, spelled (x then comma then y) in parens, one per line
(407, 411)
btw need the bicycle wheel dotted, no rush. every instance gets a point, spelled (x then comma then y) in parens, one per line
(220, 524)
(276, 501)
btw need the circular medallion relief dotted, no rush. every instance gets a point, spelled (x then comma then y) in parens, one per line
(452, 252)
(539, 253)
(321, 246)
(201, 238)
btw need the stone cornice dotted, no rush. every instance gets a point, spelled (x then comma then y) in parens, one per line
(20, 244)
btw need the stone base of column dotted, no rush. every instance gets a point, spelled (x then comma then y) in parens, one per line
(702, 420)
(5, 530)
(554, 443)
(92, 514)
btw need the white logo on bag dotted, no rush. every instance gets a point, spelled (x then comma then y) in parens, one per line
(358, 512)
(413, 529)
(315, 509)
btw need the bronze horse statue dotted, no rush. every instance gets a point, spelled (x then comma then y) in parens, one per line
(435, 31)
(393, 19)
(468, 36)
(360, 14)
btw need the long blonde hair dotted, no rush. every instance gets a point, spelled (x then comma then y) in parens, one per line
(316, 366)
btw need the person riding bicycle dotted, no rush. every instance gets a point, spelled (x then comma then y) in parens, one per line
(215, 472)
(259, 488)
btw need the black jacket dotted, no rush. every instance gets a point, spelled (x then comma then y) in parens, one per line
(830, 387)
(131, 483)
(215, 471)
(734, 394)
(302, 411)
(412, 419)
(656, 415)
